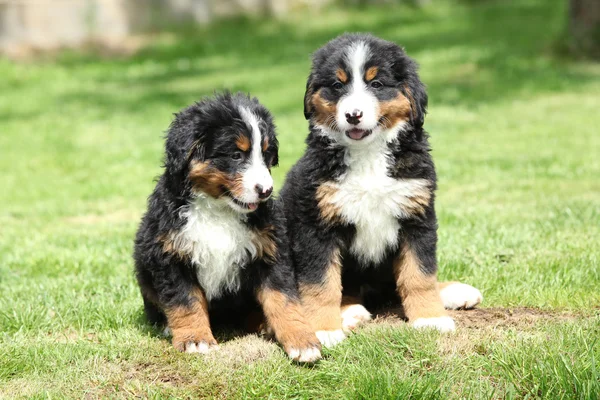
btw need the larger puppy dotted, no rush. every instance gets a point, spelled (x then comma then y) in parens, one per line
(213, 241)
(360, 202)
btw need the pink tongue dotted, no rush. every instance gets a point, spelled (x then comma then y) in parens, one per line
(356, 134)
(252, 206)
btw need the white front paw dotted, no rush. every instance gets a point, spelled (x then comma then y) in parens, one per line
(460, 296)
(330, 338)
(442, 324)
(353, 316)
(307, 355)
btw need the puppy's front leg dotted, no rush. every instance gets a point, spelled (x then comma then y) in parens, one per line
(321, 293)
(187, 317)
(416, 282)
(285, 316)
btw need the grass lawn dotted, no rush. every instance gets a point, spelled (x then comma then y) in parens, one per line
(515, 132)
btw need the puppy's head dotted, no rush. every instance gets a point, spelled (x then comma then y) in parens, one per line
(223, 147)
(362, 87)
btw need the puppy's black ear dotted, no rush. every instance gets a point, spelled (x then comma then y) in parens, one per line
(275, 161)
(310, 90)
(417, 95)
(405, 71)
(185, 142)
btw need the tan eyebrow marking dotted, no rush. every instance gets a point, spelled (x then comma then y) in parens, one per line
(243, 143)
(371, 73)
(341, 75)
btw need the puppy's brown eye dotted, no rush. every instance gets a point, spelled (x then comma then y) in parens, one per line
(337, 85)
(376, 84)
(237, 155)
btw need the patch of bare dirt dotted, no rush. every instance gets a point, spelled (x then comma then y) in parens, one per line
(507, 317)
(494, 317)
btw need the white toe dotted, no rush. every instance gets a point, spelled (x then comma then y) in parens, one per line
(200, 348)
(190, 347)
(166, 332)
(308, 355)
(353, 316)
(442, 324)
(294, 354)
(460, 295)
(330, 338)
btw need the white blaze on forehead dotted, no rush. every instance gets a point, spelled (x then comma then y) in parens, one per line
(257, 172)
(357, 57)
(358, 97)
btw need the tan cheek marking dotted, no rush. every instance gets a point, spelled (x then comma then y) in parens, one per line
(324, 111)
(322, 301)
(371, 73)
(243, 143)
(418, 292)
(328, 210)
(190, 323)
(264, 241)
(394, 111)
(209, 179)
(287, 319)
(341, 75)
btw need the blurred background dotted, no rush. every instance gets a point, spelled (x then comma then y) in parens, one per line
(29, 25)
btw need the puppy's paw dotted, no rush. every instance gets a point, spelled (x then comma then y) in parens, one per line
(331, 338)
(200, 347)
(353, 316)
(194, 342)
(458, 296)
(442, 324)
(305, 355)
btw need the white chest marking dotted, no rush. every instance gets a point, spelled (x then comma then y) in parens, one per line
(218, 243)
(373, 201)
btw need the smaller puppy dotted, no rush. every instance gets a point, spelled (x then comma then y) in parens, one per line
(213, 242)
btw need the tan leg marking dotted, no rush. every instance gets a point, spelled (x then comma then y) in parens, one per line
(322, 302)
(419, 293)
(287, 320)
(190, 325)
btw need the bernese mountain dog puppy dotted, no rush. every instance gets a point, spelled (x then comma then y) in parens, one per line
(212, 244)
(359, 204)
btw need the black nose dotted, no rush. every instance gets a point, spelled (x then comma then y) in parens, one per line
(354, 117)
(262, 192)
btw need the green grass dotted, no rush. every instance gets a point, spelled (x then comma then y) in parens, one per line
(515, 137)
